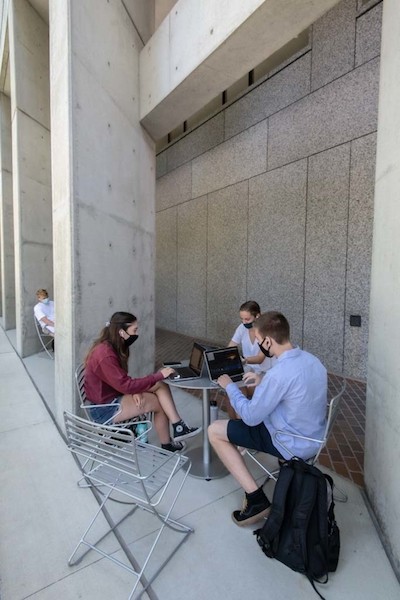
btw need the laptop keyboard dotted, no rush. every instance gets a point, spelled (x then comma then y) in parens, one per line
(186, 372)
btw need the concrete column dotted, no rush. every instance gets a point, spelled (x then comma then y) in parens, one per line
(103, 167)
(382, 447)
(30, 118)
(6, 217)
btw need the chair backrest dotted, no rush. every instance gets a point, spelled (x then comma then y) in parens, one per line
(80, 386)
(337, 387)
(43, 336)
(106, 452)
(103, 444)
(80, 382)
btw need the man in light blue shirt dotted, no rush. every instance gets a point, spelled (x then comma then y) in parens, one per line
(291, 397)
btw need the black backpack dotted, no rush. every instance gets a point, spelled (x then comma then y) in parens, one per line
(301, 531)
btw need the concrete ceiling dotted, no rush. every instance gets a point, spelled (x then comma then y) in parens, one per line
(141, 13)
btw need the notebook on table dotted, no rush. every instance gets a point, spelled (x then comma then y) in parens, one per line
(224, 361)
(195, 364)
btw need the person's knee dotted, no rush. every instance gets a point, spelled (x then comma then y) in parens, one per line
(217, 430)
(151, 403)
(160, 385)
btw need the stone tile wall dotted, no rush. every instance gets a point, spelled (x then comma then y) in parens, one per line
(272, 199)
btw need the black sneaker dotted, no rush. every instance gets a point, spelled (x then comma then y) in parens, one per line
(183, 432)
(252, 511)
(174, 446)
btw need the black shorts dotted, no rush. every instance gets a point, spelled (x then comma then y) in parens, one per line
(255, 437)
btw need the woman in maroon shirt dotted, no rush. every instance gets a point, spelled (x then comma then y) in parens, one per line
(107, 382)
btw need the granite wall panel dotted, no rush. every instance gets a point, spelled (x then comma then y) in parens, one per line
(237, 159)
(302, 244)
(368, 35)
(192, 267)
(161, 164)
(166, 272)
(339, 112)
(326, 235)
(174, 188)
(275, 93)
(359, 251)
(333, 43)
(277, 214)
(205, 137)
(226, 259)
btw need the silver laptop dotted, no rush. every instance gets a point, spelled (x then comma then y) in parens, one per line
(195, 364)
(224, 361)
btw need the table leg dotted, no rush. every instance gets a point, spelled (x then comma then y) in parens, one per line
(205, 463)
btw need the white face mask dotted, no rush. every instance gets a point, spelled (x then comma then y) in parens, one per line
(45, 301)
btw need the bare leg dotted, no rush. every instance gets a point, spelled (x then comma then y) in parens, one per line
(163, 393)
(137, 404)
(228, 453)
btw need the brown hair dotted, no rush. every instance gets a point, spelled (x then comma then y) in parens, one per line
(252, 307)
(110, 334)
(42, 292)
(275, 325)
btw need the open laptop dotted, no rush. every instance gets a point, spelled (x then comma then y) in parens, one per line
(224, 361)
(195, 364)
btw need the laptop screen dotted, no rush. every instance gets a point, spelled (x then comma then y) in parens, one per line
(196, 358)
(224, 361)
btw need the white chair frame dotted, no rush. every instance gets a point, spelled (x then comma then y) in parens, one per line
(113, 458)
(43, 336)
(85, 405)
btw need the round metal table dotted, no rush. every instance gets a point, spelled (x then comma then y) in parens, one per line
(205, 463)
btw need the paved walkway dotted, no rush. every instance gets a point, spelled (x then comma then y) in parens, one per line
(43, 513)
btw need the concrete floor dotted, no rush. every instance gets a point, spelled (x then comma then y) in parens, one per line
(43, 513)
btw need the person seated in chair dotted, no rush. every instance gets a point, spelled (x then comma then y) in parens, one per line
(291, 397)
(244, 336)
(44, 312)
(107, 382)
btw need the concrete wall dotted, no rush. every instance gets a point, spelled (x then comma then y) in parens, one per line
(30, 118)
(383, 391)
(6, 217)
(103, 183)
(272, 199)
(198, 51)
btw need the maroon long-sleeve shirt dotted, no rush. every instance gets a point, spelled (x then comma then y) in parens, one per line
(105, 378)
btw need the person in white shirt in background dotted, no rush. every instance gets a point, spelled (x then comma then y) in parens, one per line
(244, 337)
(44, 311)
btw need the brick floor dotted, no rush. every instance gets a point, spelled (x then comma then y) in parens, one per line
(344, 452)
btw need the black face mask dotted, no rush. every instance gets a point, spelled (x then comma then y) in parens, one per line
(263, 350)
(248, 325)
(131, 339)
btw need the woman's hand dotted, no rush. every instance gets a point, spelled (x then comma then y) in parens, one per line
(251, 379)
(166, 372)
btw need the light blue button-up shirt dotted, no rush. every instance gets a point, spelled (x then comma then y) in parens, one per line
(291, 397)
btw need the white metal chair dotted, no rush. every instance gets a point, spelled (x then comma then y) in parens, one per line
(336, 389)
(46, 337)
(114, 459)
(86, 405)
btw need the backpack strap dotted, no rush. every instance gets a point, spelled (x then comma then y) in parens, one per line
(302, 513)
(267, 534)
(306, 496)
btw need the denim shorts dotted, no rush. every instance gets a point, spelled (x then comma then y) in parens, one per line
(104, 414)
(255, 437)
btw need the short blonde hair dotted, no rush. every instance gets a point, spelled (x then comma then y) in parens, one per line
(42, 292)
